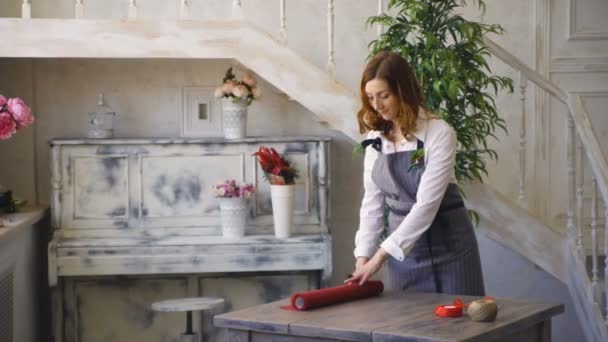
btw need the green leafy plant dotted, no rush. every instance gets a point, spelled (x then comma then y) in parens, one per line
(449, 57)
(416, 159)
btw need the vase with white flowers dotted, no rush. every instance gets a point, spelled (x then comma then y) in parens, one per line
(14, 116)
(234, 206)
(236, 96)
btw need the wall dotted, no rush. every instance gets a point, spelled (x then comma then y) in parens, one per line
(579, 63)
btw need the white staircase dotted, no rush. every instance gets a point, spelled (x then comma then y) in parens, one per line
(576, 257)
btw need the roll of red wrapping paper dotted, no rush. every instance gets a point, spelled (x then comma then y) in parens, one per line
(333, 295)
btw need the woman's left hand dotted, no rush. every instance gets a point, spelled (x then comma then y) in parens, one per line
(366, 271)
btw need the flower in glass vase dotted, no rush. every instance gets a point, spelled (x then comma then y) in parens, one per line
(278, 170)
(232, 88)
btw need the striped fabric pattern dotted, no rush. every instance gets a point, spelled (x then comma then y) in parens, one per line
(446, 257)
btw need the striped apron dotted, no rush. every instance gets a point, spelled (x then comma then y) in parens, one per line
(445, 258)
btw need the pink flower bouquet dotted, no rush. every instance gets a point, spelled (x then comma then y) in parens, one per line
(231, 189)
(14, 115)
(246, 89)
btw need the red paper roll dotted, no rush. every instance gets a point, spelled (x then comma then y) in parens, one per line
(333, 295)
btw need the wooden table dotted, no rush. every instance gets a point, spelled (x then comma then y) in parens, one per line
(397, 316)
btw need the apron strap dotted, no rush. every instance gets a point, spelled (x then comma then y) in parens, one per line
(438, 285)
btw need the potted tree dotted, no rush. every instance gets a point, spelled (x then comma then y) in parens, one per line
(449, 57)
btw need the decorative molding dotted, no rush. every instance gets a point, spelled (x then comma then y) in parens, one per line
(195, 123)
(574, 34)
(579, 64)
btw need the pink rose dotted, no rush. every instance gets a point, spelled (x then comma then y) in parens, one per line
(218, 92)
(240, 91)
(228, 87)
(2, 100)
(7, 126)
(20, 112)
(249, 80)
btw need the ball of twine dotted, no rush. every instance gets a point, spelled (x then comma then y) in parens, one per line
(482, 310)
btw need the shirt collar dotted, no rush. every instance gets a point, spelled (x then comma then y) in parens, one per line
(421, 124)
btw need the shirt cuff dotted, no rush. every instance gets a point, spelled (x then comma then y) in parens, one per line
(392, 248)
(367, 252)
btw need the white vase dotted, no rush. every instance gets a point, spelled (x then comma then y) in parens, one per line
(282, 197)
(234, 118)
(233, 212)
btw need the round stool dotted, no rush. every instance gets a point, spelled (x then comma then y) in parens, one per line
(188, 304)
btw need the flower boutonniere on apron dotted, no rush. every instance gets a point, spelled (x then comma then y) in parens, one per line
(416, 160)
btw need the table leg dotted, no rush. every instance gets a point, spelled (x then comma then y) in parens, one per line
(239, 335)
(545, 331)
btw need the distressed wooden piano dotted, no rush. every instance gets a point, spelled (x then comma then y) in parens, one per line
(135, 221)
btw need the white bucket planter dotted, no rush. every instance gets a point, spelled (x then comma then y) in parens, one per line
(282, 197)
(234, 118)
(233, 212)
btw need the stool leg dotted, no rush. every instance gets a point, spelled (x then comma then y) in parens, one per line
(189, 322)
(188, 336)
(201, 328)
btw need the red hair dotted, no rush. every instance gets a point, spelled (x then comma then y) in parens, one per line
(398, 74)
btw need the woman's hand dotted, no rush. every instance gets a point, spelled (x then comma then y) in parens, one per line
(365, 269)
(360, 262)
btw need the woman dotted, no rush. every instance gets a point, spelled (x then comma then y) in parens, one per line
(409, 170)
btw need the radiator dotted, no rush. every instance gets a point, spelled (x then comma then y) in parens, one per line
(6, 305)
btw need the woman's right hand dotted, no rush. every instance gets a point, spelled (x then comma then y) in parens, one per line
(360, 262)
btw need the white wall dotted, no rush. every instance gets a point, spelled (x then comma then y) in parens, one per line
(579, 63)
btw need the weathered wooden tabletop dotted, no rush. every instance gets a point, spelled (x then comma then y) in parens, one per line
(397, 316)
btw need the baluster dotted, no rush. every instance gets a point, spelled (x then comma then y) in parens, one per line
(579, 195)
(331, 66)
(78, 9)
(523, 84)
(379, 27)
(26, 10)
(237, 9)
(594, 270)
(283, 23)
(570, 229)
(184, 9)
(132, 10)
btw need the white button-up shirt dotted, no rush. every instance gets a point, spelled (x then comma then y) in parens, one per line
(439, 158)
